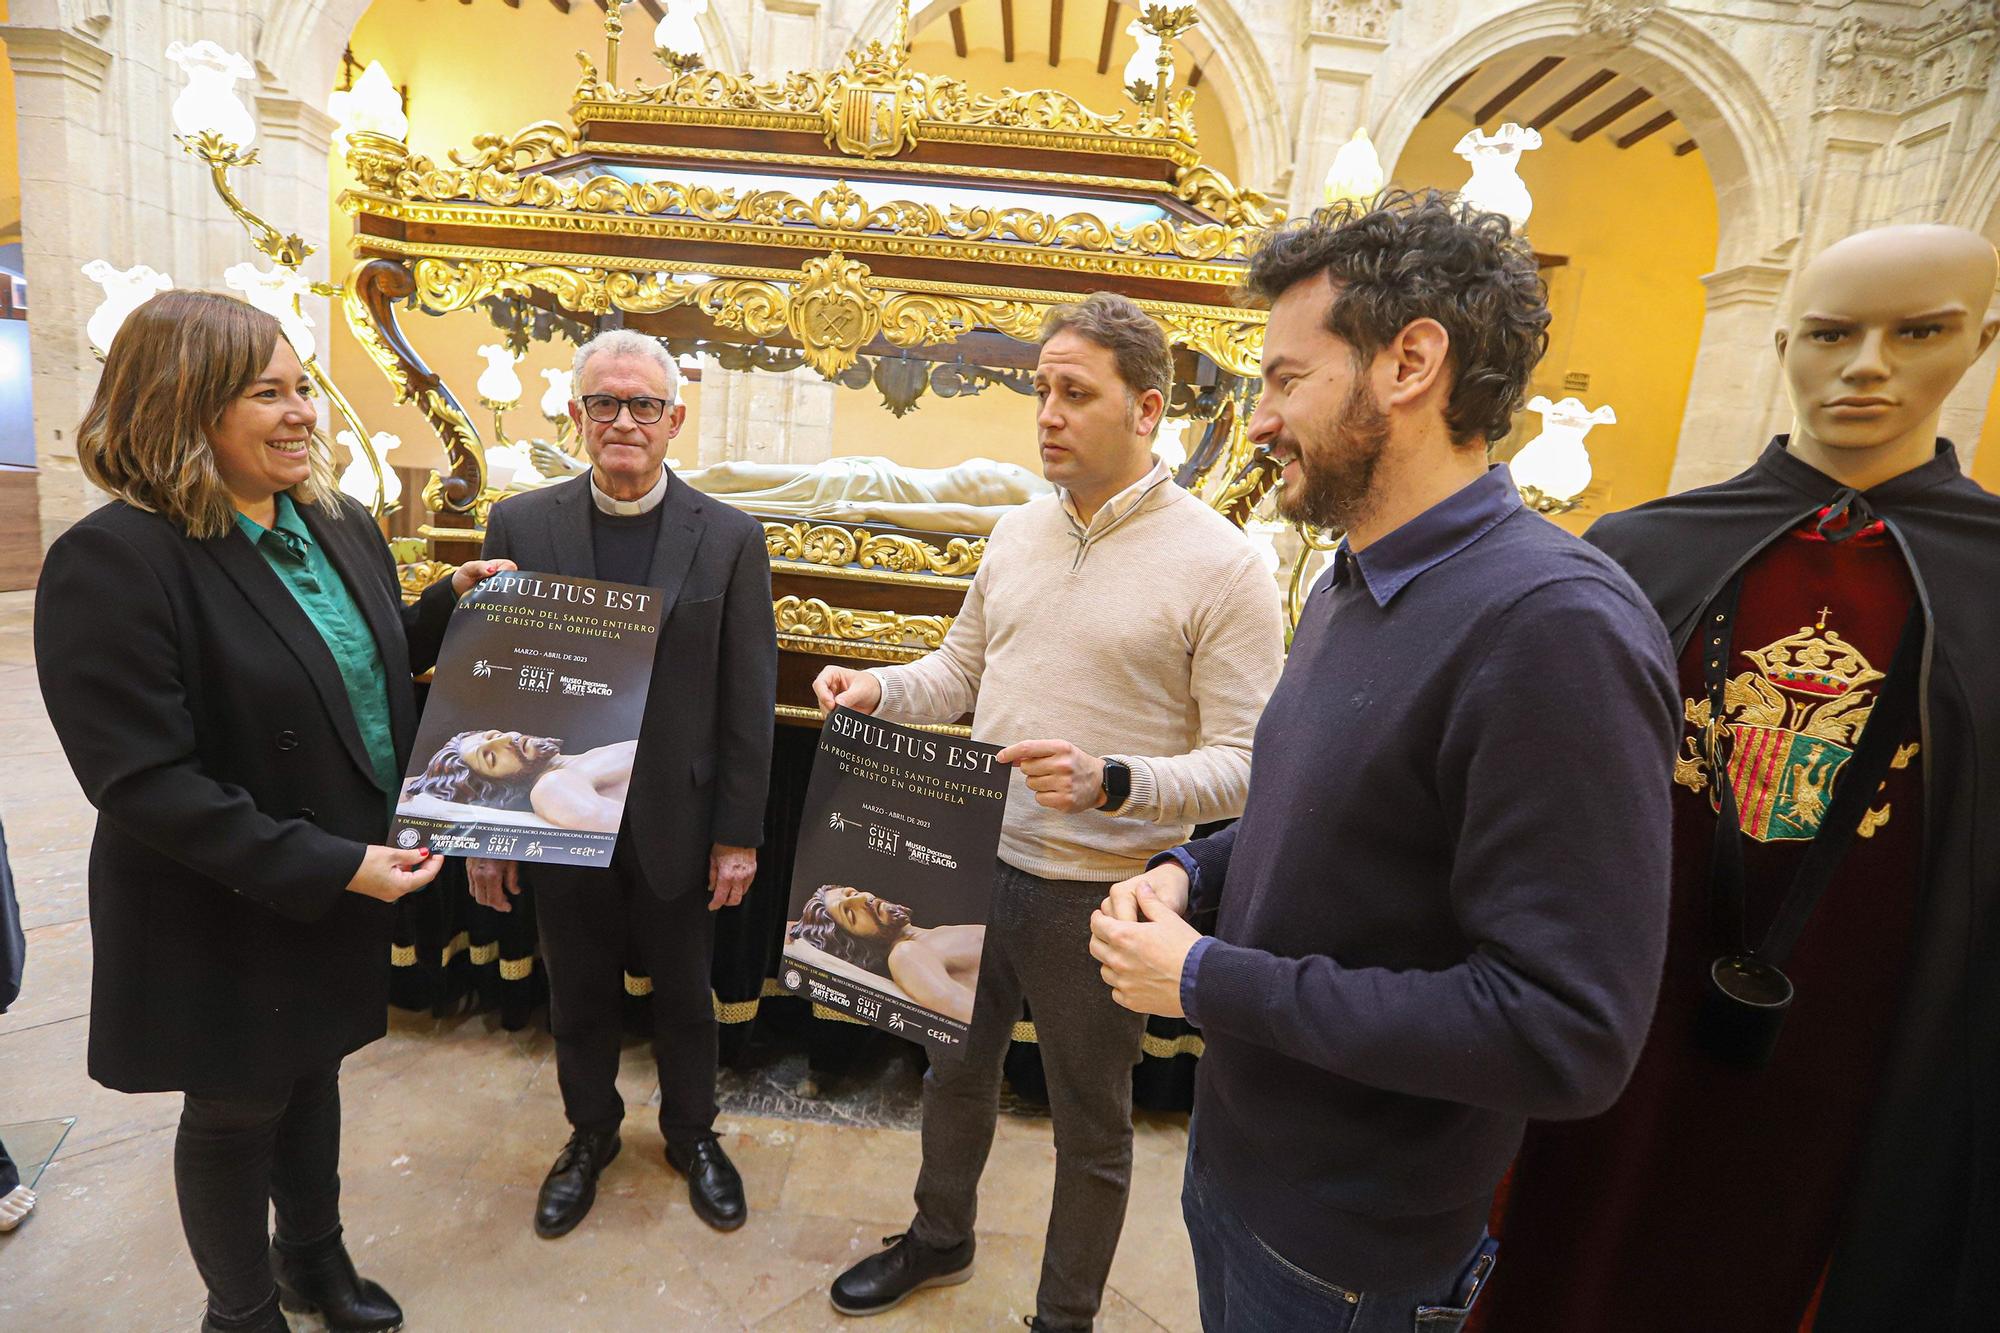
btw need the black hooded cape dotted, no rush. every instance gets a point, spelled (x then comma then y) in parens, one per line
(1923, 1221)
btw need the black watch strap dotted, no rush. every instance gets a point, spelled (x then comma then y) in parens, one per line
(1117, 784)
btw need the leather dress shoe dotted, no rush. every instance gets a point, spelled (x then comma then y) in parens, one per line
(714, 1188)
(884, 1281)
(320, 1279)
(571, 1185)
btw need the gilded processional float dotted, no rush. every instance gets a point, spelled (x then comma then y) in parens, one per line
(888, 229)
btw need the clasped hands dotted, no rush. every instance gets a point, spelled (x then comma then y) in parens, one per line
(1140, 938)
(730, 870)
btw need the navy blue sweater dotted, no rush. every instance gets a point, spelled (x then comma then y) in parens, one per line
(1444, 908)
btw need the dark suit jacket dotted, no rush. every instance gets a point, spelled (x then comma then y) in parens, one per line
(704, 759)
(206, 720)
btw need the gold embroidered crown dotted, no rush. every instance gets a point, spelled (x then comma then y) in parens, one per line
(1816, 662)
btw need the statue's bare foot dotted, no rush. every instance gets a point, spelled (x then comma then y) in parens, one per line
(17, 1204)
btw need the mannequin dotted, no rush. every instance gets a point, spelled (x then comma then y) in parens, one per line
(1847, 1182)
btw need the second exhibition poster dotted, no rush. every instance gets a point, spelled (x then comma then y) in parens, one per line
(526, 745)
(893, 879)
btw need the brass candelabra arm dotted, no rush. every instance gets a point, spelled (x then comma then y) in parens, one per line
(1313, 543)
(1542, 503)
(222, 156)
(614, 30)
(382, 507)
(1167, 22)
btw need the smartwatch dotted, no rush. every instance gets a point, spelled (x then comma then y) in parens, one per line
(1117, 784)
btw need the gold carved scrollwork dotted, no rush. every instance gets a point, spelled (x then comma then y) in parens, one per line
(1234, 344)
(418, 575)
(879, 635)
(1214, 194)
(840, 209)
(833, 546)
(833, 313)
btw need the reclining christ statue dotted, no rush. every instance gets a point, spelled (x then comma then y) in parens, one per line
(967, 497)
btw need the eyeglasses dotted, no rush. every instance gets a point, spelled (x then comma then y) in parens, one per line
(603, 407)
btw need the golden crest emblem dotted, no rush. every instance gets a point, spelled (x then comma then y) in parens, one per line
(832, 312)
(1788, 728)
(870, 112)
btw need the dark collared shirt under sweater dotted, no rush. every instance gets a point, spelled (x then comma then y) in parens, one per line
(1443, 910)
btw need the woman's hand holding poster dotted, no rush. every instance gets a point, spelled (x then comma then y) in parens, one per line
(894, 877)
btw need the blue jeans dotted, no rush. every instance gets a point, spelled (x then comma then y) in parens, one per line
(1245, 1287)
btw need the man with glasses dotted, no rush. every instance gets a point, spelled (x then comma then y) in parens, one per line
(694, 815)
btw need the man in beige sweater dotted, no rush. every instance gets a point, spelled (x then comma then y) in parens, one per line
(1119, 640)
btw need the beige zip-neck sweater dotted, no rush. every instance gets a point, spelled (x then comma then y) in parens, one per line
(1152, 635)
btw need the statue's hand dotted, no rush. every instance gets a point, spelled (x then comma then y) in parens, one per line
(848, 510)
(553, 462)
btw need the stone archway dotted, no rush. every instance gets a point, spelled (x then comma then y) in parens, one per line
(1734, 393)
(1252, 106)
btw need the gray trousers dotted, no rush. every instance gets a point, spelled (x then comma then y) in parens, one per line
(1038, 949)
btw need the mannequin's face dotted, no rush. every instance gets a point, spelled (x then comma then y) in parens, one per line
(1884, 325)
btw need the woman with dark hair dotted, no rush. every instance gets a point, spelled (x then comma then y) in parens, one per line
(241, 735)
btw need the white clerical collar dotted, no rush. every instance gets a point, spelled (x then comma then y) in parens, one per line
(645, 504)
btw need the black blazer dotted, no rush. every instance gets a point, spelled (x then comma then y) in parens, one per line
(704, 760)
(206, 720)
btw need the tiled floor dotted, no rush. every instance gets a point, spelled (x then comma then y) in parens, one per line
(449, 1127)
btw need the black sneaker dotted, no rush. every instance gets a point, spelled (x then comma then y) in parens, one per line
(884, 1281)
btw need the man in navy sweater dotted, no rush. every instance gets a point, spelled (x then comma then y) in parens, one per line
(1443, 911)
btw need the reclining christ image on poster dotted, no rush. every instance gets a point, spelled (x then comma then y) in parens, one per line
(527, 740)
(893, 879)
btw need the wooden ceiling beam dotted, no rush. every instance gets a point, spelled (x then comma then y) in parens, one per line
(1194, 77)
(958, 32)
(1683, 149)
(562, 6)
(1572, 97)
(1540, 70)
(1447, 94)
(654, 9)
(1007, 31)
(1632, 101)
(1055, 33)
(1646, 131)
(1110, 32)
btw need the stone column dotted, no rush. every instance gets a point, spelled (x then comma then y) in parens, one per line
(65, 222)
(1736, 396)
(1342, 50)
(765, 417)
(787, 35)
(1964, 416)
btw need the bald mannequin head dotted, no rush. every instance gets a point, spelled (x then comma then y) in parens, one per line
(1883, 326)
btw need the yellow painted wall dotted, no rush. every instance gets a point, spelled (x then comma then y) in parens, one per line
(1638, 227)
(997, 423)
(1986, 463)
(986, 70)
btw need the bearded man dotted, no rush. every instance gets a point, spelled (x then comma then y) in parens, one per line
(1443, 909)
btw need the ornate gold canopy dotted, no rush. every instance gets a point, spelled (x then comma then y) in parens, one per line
(868, 212)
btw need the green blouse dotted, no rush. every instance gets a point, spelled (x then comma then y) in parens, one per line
(288, 547)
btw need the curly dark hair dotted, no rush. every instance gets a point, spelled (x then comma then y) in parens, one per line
(1407, 256)
(817, 927)
(448, 778)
